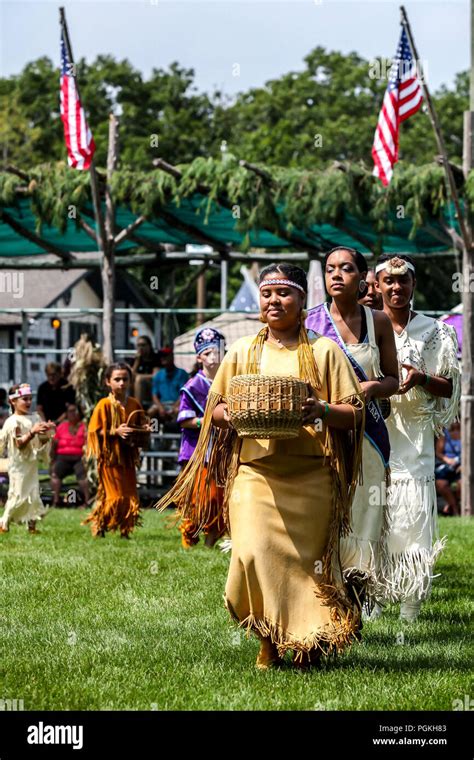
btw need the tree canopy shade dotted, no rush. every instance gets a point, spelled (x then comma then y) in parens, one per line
(229, 204)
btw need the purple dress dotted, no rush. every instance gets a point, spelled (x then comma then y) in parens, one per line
(193, 402)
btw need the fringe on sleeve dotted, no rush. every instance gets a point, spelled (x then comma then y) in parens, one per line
(104, 421)
(446, 410)
(345, 451)
(95, 432)
(217, 450)
(439, 411)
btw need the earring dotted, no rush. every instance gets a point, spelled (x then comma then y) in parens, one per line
(362, 286)
(262, 319)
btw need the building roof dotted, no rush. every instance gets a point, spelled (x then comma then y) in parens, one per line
(33, 288)
(232, 327)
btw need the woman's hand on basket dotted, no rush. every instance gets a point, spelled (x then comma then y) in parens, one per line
(312, 410)
(220, 416)
(124, 431)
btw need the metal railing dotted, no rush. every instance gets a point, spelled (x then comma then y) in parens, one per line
(155, 474)
(23, 350)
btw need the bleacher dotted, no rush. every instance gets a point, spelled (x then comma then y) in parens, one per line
(157, 472)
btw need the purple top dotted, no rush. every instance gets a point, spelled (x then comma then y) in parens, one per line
(193, 402)
(319, 319)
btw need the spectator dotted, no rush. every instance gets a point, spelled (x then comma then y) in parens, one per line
(4, 408)
(373, 297)
(67, 452)
(166, 387)
(145, 364)
(54, 395)
(448, 469)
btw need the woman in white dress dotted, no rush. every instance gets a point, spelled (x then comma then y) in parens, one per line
(27, 439)
(366, 337)
(428, 401)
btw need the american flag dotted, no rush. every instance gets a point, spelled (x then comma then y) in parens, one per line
(79, 141)
(403, 97)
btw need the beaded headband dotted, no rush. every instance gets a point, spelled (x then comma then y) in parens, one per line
(23, 390)
(395, 266)
(206, 338)
(281, 282)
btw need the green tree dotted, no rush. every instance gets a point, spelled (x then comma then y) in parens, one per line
(328, 112)
(29, 111)
(308, 119)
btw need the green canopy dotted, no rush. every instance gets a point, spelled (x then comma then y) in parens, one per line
(220, 226)
(228, 207)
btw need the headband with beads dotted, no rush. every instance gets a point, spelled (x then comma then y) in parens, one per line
(395, 266)
(23, 390)
(293, 284)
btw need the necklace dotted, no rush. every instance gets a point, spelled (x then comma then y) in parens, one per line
(274, 339)
(405, 329)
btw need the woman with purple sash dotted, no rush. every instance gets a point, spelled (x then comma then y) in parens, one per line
(209, 347)
(366, 337)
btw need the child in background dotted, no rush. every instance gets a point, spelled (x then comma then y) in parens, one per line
(117, 505)
(209, 347)
(27, 438)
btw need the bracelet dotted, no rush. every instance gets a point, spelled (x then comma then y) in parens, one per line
(198, 422)
(326, 410)
(426, 380)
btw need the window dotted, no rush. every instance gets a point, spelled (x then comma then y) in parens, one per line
(77, 328)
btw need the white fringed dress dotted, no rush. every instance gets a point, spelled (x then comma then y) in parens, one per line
(24, 500)
(413, 542)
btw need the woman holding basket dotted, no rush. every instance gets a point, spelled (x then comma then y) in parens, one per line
(287, 501)
(110, 441)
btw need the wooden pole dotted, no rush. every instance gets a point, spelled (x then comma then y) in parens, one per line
(24, 345)
(467, 141)
(101, 237)
(224, 274)
(438, 135)
(467, 382)
(108, 267)
(467, 378)
(201, 297)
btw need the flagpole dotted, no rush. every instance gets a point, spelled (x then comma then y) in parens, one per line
(467, 377)
(101, 236)
(437, 130)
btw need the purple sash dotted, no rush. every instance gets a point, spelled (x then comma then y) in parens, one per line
(319, 320)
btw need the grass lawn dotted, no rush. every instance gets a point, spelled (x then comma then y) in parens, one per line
(91, 624)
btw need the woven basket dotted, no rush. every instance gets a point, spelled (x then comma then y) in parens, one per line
(261, 406)
(140, 437)
(46, 436)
